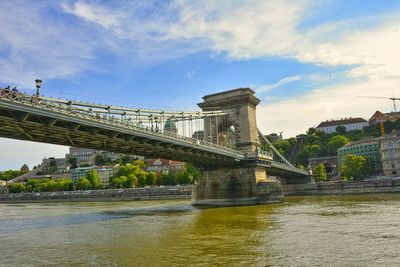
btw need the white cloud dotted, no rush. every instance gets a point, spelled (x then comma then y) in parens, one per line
(33, 45)
(93, 13)
(269, 87)
(295, 116)
(15, 153)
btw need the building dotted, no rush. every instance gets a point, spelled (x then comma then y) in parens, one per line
(3, 190)
(105, 173)
(198, 135)
(351, 124)
(379, 117)
(368, 148)
(331, 165)
(164, 165)
(24, 168)
(88, 156)
(390, 154)
(274, 137)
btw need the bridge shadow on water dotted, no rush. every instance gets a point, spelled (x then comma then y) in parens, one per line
(22, 224)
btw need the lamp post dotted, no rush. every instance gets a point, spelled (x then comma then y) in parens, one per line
(38, 84)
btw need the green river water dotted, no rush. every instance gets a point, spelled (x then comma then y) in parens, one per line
(359, 230)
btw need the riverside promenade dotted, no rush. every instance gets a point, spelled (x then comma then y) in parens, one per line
(343, 188)
(151, 193)
(185, 192)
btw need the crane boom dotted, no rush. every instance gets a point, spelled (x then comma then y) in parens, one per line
(380, 97)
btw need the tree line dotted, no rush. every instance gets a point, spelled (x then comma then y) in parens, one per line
(129, 175)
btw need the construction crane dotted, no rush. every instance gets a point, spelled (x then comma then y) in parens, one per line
(391, 98)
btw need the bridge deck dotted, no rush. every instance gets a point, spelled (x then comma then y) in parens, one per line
(55, 121)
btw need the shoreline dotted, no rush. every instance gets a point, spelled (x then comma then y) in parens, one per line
(185, 192)
(133, 194)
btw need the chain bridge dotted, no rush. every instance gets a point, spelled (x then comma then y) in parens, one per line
(222, 139)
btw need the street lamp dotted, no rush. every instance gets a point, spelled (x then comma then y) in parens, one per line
(38, 84)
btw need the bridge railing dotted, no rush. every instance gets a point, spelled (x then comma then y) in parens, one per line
(66, 108)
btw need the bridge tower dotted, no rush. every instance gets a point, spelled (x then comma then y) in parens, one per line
(241, 121)
(243, 183)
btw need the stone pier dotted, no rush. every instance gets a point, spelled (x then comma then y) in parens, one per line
(247, 182)
(235, 186)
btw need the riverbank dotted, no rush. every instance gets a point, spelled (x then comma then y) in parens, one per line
(185, 192)
(151, 193)
(342, 188)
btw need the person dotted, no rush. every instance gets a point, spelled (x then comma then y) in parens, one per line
(14, 92)
(7, 92)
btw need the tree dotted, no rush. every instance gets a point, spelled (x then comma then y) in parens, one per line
(94, 179)
(141, 178)
(33, 185)
(336, 142)
(139, 163)
(151, 178)
(168, 179)
(355, 167)
(184, 178)
(131, 181)
(73, 162)
(16, 188)
(125, 159)
(311, 131)
(118, 182)
(101, 160)
(341, 130)
(191, 170)
(83, 184)
(127, 169)
(10, 174)
(319, 172)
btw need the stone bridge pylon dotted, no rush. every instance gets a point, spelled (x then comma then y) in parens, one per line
(245, 182)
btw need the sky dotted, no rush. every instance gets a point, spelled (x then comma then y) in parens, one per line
(307, 61)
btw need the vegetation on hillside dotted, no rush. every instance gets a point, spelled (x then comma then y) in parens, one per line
(318, 144)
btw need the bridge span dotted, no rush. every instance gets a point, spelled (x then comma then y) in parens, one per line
(220, 138)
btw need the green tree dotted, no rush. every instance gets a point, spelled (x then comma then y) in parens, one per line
(101, 160)
(131, 181)
(168, 179)
(118, 182)
(184, 178)
(151, 178)
(355, 167)
(141, 178)
(83, 184)
(73, 162)
(127, 170)
(16, 188)
(341, 130)
(311, 131)
(192, 171)
(10, 174)
(139, 163)
(125, 159)
(319, 172)
(33, 185)
(94, 179)
(336, 142)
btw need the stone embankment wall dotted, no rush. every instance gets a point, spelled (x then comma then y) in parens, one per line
(153, 193)
(340, 188)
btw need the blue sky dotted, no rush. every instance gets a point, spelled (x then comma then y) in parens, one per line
(307, 60)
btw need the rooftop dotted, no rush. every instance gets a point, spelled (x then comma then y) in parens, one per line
(341, 122)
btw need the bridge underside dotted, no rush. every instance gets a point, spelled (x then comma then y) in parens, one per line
(73, 131)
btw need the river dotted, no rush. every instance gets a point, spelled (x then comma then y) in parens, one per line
(358, 230)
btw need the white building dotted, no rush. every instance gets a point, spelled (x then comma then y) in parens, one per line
(351, 124)
(390, 154)
(105, 173)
